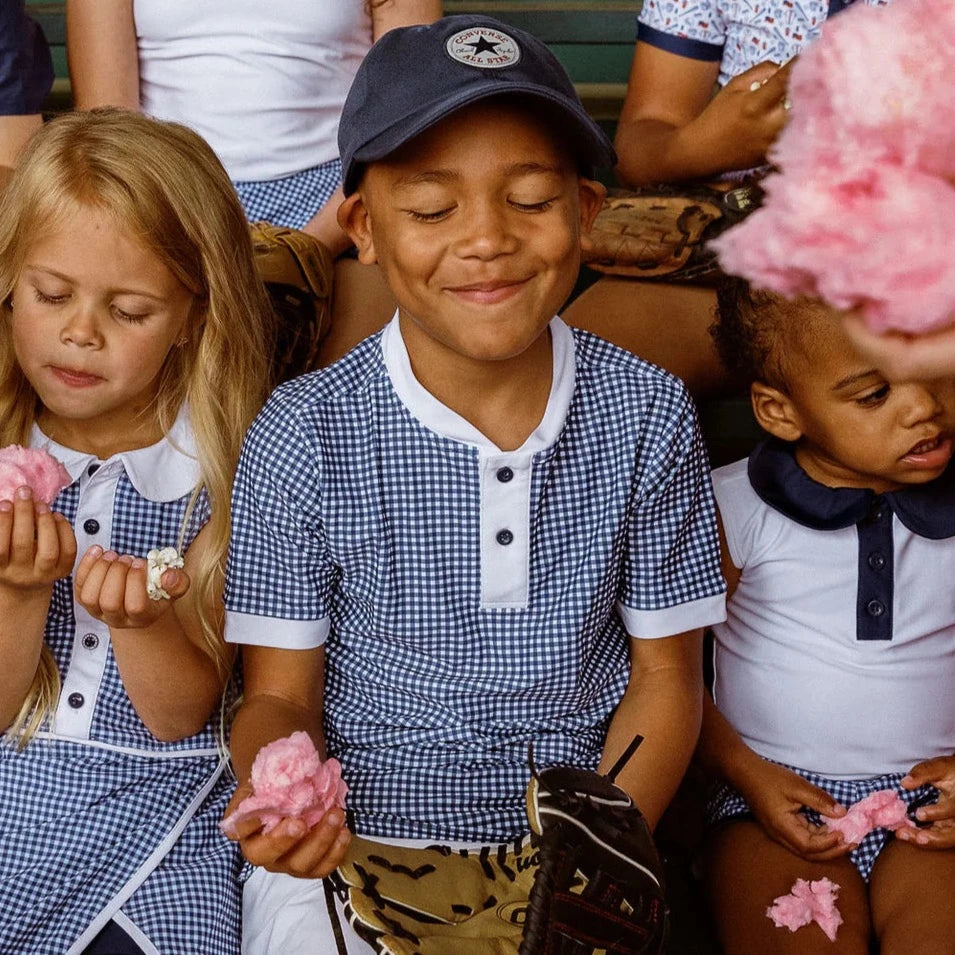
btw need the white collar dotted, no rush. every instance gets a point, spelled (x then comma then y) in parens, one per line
(442, 420)
(164, 471)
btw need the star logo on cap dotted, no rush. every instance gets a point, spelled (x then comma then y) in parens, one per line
(483, 47)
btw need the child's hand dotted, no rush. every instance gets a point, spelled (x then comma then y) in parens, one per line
(940, 773)
(777, 796)
(112, 588)
(37, 545)
(291, 846)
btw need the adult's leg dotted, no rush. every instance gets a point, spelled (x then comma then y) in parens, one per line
(362, 304)
(745, 870)
(663, 323)
(911, 895)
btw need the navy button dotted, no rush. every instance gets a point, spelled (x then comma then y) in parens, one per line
(505, 475)
(92, 469)
(504, 537)
(76, 700)
(875, 608)
(90, 641)
(91, 526)
(876, 561)
(878, 514)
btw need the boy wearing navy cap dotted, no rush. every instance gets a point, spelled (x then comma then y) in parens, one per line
(480, 529)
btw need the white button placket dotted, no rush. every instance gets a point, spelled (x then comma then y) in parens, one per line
(505, 529)
(74, 713)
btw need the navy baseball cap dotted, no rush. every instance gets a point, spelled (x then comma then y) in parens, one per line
(414, 77)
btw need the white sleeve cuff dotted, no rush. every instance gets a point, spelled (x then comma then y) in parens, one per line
(275, 632)
(651, 624)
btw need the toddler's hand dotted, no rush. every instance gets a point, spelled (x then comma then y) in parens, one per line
(37, 545)
(777, 796)
(940, 834)
(291, 846)
(112, 588)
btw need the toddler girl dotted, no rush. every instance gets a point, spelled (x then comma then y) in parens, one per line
(133, 347)
(834, 669)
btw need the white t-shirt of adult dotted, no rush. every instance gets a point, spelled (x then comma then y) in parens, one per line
(791, 674)
(264, 83)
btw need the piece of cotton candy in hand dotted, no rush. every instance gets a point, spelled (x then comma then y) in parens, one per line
(289, 779)
(883, 809)
(808, 902)
(33, 468)
(158, 561)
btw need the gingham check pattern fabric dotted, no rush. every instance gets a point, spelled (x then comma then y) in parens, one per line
(292, 200)
(346, 507)
(727, 804)
(78, 819)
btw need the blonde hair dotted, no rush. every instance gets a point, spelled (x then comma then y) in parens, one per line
(163, 184)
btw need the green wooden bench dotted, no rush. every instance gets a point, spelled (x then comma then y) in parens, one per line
(592, 38)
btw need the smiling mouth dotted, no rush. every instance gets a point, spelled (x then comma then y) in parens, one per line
(924, 447)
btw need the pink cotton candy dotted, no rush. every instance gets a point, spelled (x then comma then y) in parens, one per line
(860, 213)
(33, 468)
(289, 779)
(879, 810)
(808, 902)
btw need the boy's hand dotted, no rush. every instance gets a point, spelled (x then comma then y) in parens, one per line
(291, 846)
(37, 545)
(777, 796)
(940, 834)
(112, 588)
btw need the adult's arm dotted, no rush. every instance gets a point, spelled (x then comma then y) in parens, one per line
(673, 128)
(102, 52)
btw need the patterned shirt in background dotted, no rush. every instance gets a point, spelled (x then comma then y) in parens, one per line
(471, 600)
(737, 34)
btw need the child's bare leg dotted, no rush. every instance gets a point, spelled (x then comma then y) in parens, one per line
(746, 870)
(911, 896)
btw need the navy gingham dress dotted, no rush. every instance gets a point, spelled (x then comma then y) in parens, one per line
(101, 820)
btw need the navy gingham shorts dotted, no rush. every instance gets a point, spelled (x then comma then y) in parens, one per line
(726, 804)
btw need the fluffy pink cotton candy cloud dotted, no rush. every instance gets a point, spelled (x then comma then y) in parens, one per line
(883, 809)
(289, 779)
(808, 902)
(33, 468)
(860, 210)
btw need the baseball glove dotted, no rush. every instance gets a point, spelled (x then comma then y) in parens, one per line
(599, 884)
(297, 271)
(662, 232)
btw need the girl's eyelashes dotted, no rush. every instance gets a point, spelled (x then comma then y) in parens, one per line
(45, 299)
(875, 397)
(133, 318)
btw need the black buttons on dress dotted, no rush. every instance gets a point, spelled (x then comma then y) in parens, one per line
(504, 537)
(875, 608)
(876, 560)
(504, 475)
(90, 641)
(92, 469)
(91, 526)
(76, 700)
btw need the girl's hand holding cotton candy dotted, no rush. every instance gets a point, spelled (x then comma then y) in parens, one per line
(113, 588)
(33, 468)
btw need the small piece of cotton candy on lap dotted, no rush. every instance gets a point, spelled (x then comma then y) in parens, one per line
(33, 468)
(808, 902)
(289, 779)
(883, 809)
(158, 561)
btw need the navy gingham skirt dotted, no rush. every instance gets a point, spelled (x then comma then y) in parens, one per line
(726, 804)
(292, 200)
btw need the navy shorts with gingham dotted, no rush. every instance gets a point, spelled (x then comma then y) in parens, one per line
(347, 508)
(292, 200)
(727, 804)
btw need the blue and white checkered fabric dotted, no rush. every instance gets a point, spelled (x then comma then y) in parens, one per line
(79, 817)
(727, 804)
(292, 200)
(737, 33)
(346, 507)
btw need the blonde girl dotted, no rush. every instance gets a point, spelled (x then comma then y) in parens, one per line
(133, 346)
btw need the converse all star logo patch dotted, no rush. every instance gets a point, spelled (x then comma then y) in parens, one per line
(484, 48)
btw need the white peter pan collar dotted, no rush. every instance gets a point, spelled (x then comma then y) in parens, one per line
(165, 471)
(442, 420)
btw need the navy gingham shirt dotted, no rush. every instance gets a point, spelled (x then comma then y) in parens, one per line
(470, 600)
